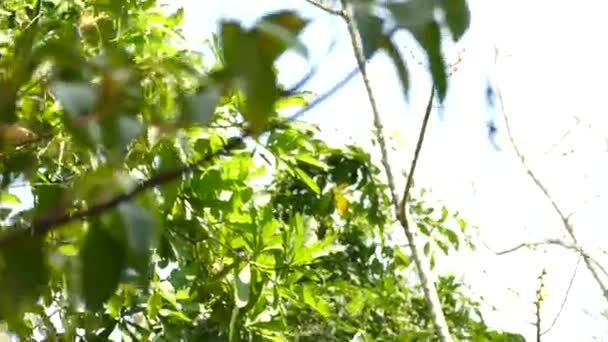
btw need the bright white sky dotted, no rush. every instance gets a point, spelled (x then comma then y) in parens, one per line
(550, 70)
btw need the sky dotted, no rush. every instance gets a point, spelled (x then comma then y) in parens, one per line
(550, 71)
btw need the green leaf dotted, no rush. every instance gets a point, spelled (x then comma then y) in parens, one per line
(429, 37)
(452, 237)
(311, 160)
(457, 17)
(401, 260)
(9, 198)
(307, 180)
(23, 273)
(103, 260)
(169, 159)
(298, 100)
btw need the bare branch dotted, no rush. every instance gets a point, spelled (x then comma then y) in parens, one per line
(410, 176)
(424, 273)
(564, 218)
(326, 8)
(566, 295)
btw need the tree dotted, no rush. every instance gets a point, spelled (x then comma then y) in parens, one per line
(172, 200)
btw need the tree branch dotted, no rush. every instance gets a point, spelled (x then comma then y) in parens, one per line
(424, 273)
(564, 218)
(326, 8)
(566, 295)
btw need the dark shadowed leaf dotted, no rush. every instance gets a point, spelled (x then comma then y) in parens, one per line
(103, 260)
(413, 14)
(23, 272)
(371, 32)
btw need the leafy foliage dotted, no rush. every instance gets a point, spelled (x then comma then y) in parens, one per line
(153, 219)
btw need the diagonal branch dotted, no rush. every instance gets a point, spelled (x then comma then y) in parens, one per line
(424, 273)
(564, 218)
(326, 8)
(44, 224)
(410, 175)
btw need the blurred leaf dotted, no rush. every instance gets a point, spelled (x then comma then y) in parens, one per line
(429, 37)
(393, 52)
(414, 14)
(77, 98)
(254, 74)
(371, 31)
(103, 260)
(276, 32)
(297, 100)
(457, 16)
(452, 237)
(310, 160)
(141, 230)
(307, 180)
(23, 273)
(199, 108)
(340, 201)
(9, 198)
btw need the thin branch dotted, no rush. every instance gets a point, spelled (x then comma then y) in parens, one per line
(44, 224)
(410, 176)
(538, 304)
(326, 8)
(566, 295)
(564, 218)
(424, 273)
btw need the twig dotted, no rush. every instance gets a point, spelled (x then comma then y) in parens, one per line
(576, 248)
(410, 176)
(564, 218)
(42, 225)
(566, 295)
(424, 273)
(538, 303)
(326, 8)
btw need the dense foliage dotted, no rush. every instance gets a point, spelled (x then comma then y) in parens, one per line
(172, 201)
